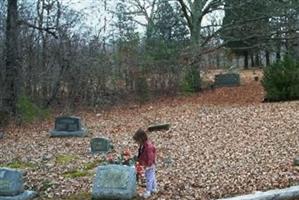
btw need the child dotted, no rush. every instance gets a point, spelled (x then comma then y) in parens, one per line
(146, 157)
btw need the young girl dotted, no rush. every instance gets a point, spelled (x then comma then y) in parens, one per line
(147, 158)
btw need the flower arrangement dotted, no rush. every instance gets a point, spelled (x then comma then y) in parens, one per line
(125, 158)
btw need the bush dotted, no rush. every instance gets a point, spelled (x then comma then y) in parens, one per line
(28, 111)
(142, 90)
(191, 81)
(281, 80)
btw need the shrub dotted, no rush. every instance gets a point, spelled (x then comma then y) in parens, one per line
(191, 81)
(28, 111)
(281, 80)
(142, 90)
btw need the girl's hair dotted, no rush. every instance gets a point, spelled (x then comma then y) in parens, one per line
(140, 136)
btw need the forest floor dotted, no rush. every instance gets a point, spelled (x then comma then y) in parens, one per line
(221, 143)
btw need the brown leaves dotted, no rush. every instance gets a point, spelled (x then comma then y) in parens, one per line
(221, 143)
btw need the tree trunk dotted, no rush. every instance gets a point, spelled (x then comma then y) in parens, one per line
(267, 58)
(12, 85)
(246, 60)
(252, 60)
(257, 60)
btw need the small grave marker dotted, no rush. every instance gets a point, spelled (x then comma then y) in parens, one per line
(227, 80)
(12, 185)
(158, 127)
(296, 161)
(100, 145)
(114, 182)
(68, 127)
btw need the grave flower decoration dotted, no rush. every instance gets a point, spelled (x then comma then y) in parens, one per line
(125, 158)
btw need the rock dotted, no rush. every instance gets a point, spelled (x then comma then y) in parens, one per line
(1, 135)
(114, 182)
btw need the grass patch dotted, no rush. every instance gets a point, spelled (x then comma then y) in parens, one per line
(65, 159)
(17, 164)
(75, 174)
(91, 165)
(46, 184)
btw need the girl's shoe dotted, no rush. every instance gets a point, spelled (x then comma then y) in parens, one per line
(146, 194)
(155, 190)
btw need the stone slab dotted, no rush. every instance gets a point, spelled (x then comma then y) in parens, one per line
(278, 194)
(27, 195)
(11, 182)
(114, 182)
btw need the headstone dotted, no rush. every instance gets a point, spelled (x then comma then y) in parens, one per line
(296, 161)
(68, 127)
(114, 182)
(158, 127)
(100, 145)
(277, 194)
(227, 80)
(12, 185)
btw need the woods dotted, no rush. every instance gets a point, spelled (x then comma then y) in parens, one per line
(142, 47)
(209, 87)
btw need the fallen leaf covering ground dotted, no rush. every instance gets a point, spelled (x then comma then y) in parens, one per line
(221, 143)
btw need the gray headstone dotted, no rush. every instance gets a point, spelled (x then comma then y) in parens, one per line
(68, 127)
(227, 80)
(296, 161)
(158, 127)
(114, 182)
(100, 145)
(12, 185)
(11, 182)
(27, 195)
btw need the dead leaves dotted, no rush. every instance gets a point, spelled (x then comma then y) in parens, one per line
(233, 145)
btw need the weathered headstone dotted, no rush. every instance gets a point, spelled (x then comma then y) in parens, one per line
(12, 185)
(277, 194)
(68, 127)
(296, 161)
(227, 80)
(114, 182)
(100, 145)
(158, 127)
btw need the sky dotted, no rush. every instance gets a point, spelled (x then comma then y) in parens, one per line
(96, 16)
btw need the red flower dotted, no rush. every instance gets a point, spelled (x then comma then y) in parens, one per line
(127, 152)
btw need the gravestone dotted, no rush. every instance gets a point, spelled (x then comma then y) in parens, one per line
(296, 161)
(114, 182)
(100, 145)
(158, 127)
(227, 80)
(68, 127)
(12, 185)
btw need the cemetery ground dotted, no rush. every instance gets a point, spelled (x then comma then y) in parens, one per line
(221, 143)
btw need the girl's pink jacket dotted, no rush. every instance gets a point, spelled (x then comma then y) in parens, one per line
(147, 154)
